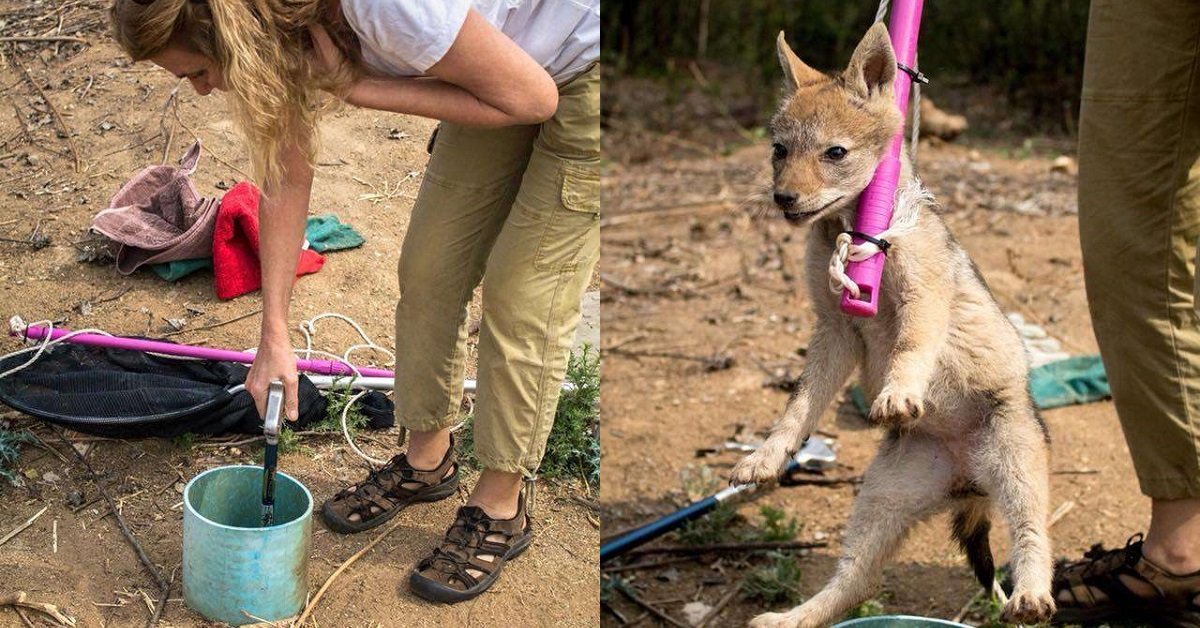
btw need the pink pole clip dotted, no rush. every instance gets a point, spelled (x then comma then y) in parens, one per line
(878, 199)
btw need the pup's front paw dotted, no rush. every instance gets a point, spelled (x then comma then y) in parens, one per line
(1028, 607)
(898, 406)
(759, 467)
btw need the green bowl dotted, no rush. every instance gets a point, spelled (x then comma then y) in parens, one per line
(898, 621)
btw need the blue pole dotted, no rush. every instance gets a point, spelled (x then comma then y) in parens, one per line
(659, 527)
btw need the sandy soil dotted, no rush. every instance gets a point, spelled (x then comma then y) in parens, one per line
(372, 164)
(690, 273)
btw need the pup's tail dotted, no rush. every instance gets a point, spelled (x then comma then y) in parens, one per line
(970, 528)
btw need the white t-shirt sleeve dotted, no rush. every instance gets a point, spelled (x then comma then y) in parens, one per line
(413, 33)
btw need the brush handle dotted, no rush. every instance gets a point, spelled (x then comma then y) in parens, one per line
(878, 199)
(695, 510)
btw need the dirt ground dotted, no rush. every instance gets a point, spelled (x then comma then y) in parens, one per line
(118, 119)
(691, 273)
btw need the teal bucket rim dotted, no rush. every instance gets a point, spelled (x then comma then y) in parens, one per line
(868, 620)
(187, 503)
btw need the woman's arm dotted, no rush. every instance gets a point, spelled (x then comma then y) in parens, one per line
(484, 79)
(282, 213)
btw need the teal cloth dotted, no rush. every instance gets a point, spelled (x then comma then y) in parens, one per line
(1075, 380)
(1079, 379)
(327, 233)
(172, 271)
(324, 233)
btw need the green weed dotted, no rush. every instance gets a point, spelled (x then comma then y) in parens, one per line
(776, 582)
(573, 449)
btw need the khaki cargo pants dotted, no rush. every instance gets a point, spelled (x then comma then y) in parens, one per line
(519, 209)
(1139, 220)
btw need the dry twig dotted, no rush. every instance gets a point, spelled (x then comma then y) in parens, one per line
(349, 561)
(62, 122)
(214, 325)
(18, 599)
(22, 526)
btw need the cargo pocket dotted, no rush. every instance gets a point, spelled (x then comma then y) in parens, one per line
(571, 231)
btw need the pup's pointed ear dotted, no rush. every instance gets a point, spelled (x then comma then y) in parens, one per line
(795, 71)
(872, 68)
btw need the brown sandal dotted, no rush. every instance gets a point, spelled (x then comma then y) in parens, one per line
(387, 491)
(1092, 591)
(470, 558)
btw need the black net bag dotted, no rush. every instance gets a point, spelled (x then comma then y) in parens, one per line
(128, 394)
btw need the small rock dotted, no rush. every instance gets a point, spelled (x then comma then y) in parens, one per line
(695, 612)
(32, 160)
(670, 575)
(820, 535)
(396, 134)
(50, 476)
(235, 451)
(179, 486)
(975, 155)
(75, 499)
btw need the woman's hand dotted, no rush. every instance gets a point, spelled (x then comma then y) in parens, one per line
(274, 361)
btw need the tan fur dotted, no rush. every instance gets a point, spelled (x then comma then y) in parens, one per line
(945, 368)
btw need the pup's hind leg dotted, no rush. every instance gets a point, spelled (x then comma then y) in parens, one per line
(1013, 469)
(908, 481)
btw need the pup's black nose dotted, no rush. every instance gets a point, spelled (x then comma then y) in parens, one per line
(785, 200)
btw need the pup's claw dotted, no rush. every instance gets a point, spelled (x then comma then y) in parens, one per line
(1028, 607)
(774, 620)
(898, 407)
(760, 467)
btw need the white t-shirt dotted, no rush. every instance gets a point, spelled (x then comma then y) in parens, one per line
(406, 37)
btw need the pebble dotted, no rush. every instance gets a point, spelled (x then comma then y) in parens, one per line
(75, 499)
(50, 476)
(695, 612)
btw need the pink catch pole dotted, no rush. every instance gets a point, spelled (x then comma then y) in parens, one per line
(877, 201)
(324, 367)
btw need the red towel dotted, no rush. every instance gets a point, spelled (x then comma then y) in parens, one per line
(235, 245)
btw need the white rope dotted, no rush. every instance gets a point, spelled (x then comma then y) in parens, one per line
(909, 200)
(19, 326)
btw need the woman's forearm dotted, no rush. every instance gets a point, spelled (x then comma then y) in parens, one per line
(433, 98)
(282, 214)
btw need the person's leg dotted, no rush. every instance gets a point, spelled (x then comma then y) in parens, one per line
(536, 277)
(469, 187)
(1139, 220)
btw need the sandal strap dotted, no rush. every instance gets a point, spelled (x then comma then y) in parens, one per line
(467, 540)
(384, 487)
(1102, 570)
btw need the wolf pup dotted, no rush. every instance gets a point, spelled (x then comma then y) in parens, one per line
(946, 370)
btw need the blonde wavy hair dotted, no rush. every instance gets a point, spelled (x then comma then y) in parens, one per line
(264, 50)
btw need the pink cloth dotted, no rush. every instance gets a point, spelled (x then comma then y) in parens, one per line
(158, 216)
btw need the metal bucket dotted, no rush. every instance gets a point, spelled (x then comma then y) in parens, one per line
(898, 621)
(232, 564)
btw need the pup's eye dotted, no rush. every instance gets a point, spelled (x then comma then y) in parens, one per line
(780, 151)
(836, 153)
